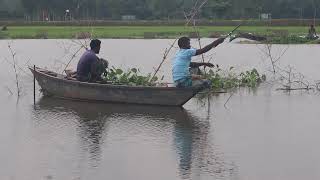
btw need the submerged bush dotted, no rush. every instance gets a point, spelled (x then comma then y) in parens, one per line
(292, 39)
(229, 79)
(4, 28)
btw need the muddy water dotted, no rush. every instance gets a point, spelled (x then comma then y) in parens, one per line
(259, 134)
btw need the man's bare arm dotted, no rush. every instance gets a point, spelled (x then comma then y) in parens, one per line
(198, 64)
(210, 46)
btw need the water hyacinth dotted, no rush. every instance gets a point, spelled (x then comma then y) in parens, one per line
(229, 79)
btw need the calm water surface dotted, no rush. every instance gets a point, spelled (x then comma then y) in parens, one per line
(260, 135)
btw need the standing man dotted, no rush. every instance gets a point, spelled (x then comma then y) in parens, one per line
(182, 60)
(90, 67)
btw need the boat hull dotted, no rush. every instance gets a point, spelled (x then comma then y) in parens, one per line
(58, 86)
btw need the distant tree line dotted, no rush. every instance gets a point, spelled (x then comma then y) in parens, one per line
(154, 9)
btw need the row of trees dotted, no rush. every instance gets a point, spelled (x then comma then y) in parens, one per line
(155, 9)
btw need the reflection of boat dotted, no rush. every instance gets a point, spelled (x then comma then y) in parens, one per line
(57, 85)
(96, 121)
(88, 111)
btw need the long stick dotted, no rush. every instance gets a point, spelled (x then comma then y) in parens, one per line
(167, 51)
(234, 30)
(73, 56)
(34, 85)
(199, 42)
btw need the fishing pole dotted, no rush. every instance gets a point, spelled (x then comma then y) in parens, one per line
(234, 30)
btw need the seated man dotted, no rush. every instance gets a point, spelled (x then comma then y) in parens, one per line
(90, 67)
(182, 60)
(312, 34)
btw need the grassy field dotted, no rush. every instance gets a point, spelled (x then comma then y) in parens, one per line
(67, 32)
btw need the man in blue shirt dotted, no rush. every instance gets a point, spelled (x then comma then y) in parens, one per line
(90, 67)
(182, 60)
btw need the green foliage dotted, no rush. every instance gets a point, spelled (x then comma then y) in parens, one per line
(219, 78)
(60, 32)
(251, 78)
(41, 35)
(4, 28)
(131, 77)
(229, 79)
(156, 9)
(2, 35)
(292, 39)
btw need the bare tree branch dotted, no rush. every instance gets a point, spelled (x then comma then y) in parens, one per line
(165, 55)
(14, 64)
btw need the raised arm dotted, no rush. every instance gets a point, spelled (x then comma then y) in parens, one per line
(210, 46)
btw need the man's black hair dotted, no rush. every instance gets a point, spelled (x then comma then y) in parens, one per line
(95, 43)
(183, 41)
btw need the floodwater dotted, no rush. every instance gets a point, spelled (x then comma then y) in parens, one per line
(259, 134)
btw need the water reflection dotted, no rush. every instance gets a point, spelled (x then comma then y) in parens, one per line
(199, 156)
(91, 122)
(196, 155)
(184, 135)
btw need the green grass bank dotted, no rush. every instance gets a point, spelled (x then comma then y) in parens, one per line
(145, 32)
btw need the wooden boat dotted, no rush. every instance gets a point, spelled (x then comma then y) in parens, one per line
(58, 85)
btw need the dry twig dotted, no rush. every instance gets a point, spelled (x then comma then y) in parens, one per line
(72, 58)
(194, 11)
(225, 104)
(165, 55)
(14, 65)
(9, 90)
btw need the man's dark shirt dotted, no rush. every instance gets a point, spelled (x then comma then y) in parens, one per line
(85, 63)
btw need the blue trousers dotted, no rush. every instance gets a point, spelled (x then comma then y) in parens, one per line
(187, 82)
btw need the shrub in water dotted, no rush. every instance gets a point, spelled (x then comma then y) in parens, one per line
(229, 79)
(4, 28)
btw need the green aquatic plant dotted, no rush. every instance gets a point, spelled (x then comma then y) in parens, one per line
(3, 34)
(4, 28)
(251, 78)
(228, 79)
(291, 39)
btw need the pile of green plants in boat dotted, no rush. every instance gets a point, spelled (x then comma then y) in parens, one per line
(220, 79)
(229, 79)
(131, 77)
